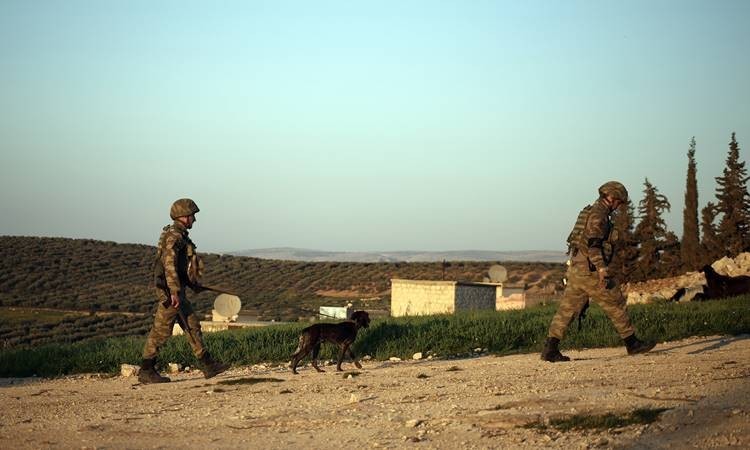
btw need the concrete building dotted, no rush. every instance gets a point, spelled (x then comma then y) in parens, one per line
(421, 297)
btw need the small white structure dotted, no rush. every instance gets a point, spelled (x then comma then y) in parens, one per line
(336, 312)
(422, 297)
(514, 298)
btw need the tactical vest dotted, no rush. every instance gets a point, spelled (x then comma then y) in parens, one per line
(189, 274)
(575, 238)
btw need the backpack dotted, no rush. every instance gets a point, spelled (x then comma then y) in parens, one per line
(576, 234)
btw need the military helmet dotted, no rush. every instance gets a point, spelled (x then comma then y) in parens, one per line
(183, 207)
(615, 189)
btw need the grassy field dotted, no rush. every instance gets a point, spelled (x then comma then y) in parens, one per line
(443, 336)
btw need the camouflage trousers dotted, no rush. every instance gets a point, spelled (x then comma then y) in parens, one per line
(582, 286)
(164, 321)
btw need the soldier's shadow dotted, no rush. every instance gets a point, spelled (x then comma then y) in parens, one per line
(721, 343)
(713, 344)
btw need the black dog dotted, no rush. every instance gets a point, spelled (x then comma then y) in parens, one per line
(721, 286)
(342, 334)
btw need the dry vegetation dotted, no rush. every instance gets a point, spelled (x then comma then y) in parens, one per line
(89, 275)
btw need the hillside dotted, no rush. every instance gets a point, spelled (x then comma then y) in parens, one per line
(301, 254)
(92, 276)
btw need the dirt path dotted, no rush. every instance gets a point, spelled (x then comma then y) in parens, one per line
(484, 402)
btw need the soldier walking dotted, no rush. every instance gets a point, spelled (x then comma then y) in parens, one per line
(591, 250)
(175, 260)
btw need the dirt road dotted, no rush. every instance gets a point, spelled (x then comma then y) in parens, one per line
(485, 402)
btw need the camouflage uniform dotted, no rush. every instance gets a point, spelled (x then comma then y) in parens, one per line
(177, 266)
(591, 247)
(174, 253)
(592, 253)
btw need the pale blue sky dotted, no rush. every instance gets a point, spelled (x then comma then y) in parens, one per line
(392, 125)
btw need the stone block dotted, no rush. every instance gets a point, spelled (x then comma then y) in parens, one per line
(129, 370)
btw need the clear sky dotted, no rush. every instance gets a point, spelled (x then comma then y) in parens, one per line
(360, 126)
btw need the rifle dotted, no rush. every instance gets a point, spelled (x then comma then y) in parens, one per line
(180, 317)
(185, 326)
(198, 288)
(582, 314)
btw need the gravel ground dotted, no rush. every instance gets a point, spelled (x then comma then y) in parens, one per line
(484, 402)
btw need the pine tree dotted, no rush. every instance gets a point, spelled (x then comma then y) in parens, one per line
(711, 248)
(690, 245)
(626, 248)
(733, 204)
(653, 238)
(669, 259)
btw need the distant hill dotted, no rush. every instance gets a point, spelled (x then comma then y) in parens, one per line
(300, 254)
(97, 276)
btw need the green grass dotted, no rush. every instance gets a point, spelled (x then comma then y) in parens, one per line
(602, 422)
(501, 333)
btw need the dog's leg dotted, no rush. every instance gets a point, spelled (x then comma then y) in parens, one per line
(354, 358)
(344, 348)
(296, 358)
(315, 352)
(302, 350)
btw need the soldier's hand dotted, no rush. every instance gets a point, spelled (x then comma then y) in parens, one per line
(175, 301)
(603, 277)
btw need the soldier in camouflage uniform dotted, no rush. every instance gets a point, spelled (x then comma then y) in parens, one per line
(175, 259)
(588, 276)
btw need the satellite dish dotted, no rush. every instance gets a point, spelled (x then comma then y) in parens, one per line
(498, 274)
(227, 305)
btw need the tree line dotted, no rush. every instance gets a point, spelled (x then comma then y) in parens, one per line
(648, 249)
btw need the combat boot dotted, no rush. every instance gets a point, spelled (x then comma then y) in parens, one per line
(212, 368)
(148, 373)
(635, 346)
(551, 353)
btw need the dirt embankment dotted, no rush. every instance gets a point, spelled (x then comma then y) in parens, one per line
(701, 384)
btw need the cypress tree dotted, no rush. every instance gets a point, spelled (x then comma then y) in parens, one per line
(733, 204)
(690, 245)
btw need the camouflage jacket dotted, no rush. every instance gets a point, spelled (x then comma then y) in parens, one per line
(596, 246)
(173, 254)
